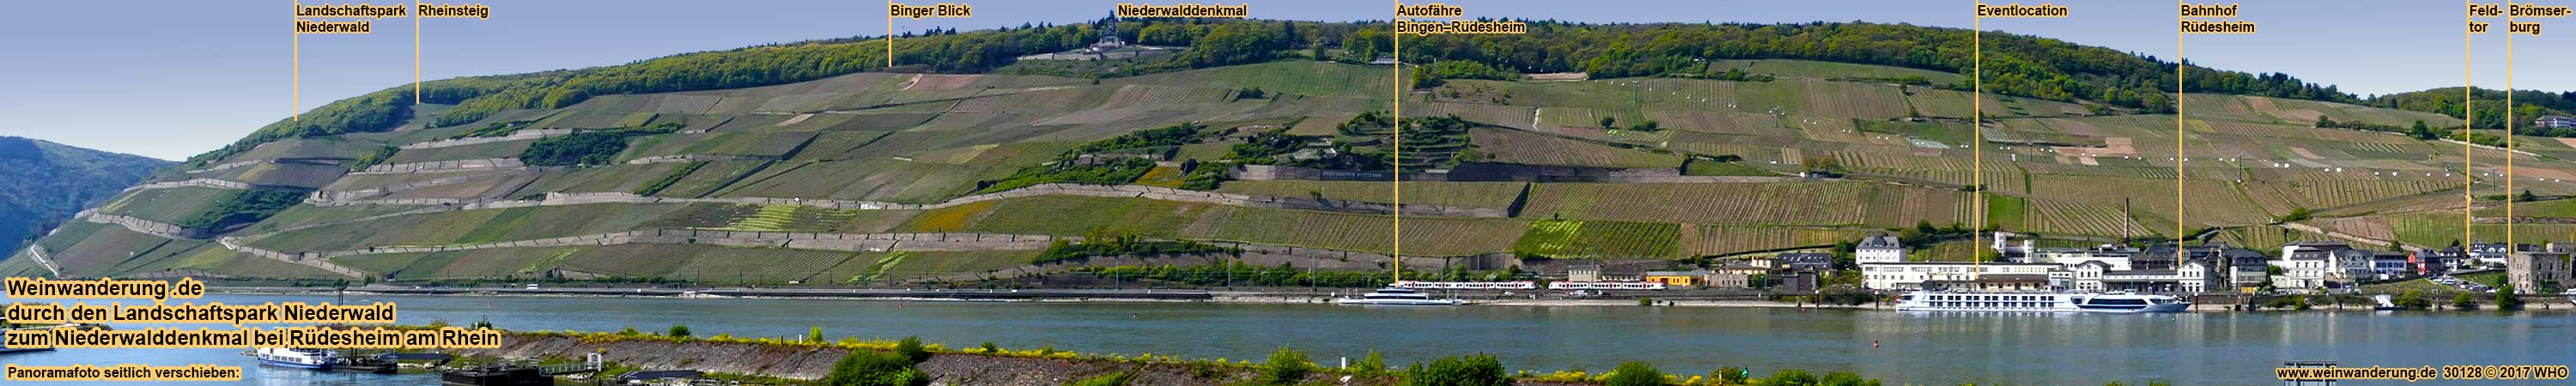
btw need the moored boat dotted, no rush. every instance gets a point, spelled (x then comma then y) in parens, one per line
(2114, 302)
(304, 358)
(1397, 296)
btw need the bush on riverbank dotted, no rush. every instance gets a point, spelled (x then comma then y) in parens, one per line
(1473, 370)
(1285, 367)
(1787, 377)
(1729, 375)
(1845, 378)
(2293, 302)
(1635, 374)
(1370, 365)
(680, 334)
(1832, 297)
(872, 368)
(2505, 299)
(910, 347)
(1110, 379)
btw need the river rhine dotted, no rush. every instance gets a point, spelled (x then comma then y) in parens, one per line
(1911, 348)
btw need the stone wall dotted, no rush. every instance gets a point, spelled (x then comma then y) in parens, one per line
(1258, 255)
(1288, 173)
(227, 166)
(394, 201)
(1169, 194)
(155, 228)
(432, 166)
(175, 231)
(336, 198)
(193, 182)
(179, 273)
(37, 252)
(694, 158)
(1255, 254)
(1498, 172)
(520, 135)
(325, 197)
(1148, 192)
(304, 259)
(850, 242)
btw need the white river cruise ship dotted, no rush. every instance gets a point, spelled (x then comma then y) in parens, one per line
(2115, 302)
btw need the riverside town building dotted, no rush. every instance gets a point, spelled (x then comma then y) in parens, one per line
(2190, 268)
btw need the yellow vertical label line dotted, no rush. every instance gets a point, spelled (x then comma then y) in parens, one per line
(2180, 120)
(2509, 194)
(890, 33)
(295, 80)
(1977, 135)
(415, 56)
(2468, 130)
(1398, 117)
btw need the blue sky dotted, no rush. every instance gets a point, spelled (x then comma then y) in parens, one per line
(172, 79)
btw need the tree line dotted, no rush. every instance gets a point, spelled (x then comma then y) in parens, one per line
(2527, 106)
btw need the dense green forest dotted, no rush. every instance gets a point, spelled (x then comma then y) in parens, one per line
(587, 147)
(2014, 65)
(2528, 105)
(591, 148)
(46, 182)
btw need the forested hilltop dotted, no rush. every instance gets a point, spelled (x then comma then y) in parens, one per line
(2528, 105)
(2015, 65)
(45, 182)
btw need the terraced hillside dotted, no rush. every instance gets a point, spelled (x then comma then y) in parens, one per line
(878, 177)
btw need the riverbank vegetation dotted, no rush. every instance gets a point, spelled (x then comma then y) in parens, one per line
(906, 362)
(1233, 273)
(2407, 299)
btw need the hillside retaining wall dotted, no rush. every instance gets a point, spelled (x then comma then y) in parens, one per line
(329, 196)
(433, 166)
(520, 135)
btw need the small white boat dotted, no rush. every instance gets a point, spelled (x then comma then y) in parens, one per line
(1397, 296)
(305, 358)
(2115, 302)
(2382, 303)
